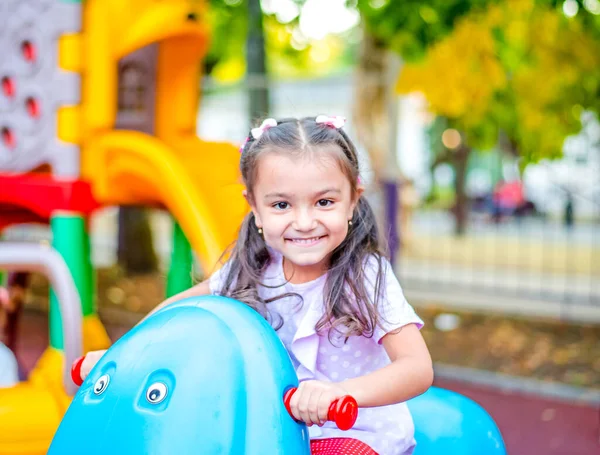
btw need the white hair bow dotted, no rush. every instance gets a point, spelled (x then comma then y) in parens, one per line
(264, 126)
(334, 121)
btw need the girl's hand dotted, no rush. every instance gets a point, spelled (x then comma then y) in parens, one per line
(311, 401)
(90, 360)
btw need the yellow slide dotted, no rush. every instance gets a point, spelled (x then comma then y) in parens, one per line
(198, 183)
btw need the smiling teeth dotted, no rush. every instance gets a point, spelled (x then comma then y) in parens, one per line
(306, 241)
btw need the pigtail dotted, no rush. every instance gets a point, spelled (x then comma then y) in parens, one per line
(351, 308)
(249, 259)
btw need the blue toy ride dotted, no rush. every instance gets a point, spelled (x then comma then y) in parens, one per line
(208, 375)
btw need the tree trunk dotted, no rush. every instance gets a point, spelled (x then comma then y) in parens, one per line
(135, 250)
(137, 88)
(258, 89)
(375, 120)
(461, 205)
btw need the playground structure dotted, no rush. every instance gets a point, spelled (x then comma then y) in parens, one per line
(98, 106)
(209, 375)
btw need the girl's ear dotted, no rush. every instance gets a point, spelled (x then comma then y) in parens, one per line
(357, 195)
(250, 201)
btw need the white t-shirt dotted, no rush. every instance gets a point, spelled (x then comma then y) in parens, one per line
(389, 430)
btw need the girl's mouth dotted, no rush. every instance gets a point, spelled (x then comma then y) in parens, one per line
(310, 241)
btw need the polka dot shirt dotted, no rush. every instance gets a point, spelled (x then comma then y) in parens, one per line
(388, 430)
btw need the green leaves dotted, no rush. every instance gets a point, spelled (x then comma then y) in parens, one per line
(411, 26)
(521, 67)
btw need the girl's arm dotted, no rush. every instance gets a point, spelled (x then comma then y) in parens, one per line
(410, 373)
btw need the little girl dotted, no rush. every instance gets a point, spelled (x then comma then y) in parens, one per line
(308, 259)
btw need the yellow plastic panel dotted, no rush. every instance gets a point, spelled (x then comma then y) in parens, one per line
(69, 52)
(69, 124)
(94, 334)
(159, 21)
(29, 416)
(198, 183)
(99, 96)
(115, 28)
(177, 87)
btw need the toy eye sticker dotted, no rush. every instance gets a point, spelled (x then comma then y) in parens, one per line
(101, 384)
(156, 393)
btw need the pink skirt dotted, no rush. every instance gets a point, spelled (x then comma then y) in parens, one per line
(340, 446)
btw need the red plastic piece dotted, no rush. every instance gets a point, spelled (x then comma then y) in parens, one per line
(342, 411)
(29, 51)
(43, 194)
(33, 107)
(76, 371)
(10, 215)
(8, 87)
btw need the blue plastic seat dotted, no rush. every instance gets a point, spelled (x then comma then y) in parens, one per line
(449, 423)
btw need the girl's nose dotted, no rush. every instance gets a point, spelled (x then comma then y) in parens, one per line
(305, 221)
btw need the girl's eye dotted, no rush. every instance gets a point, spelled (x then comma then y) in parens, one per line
(156, 393)
(324, 203)
(281, 205)
(101, 384)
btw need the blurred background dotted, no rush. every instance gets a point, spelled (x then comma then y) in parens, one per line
(477, 123)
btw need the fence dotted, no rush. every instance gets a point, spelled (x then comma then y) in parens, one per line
(532, 259)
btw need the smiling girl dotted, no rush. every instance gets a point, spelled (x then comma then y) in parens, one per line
(308, 258)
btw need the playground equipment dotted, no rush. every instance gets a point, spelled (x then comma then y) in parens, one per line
(203, 363)
(123, 134)
(208, 375)
(449, 423)
(32, 409)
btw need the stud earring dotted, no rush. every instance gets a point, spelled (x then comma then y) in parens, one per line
(260, 231)
(349, 222)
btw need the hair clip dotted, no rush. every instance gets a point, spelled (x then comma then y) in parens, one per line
(335, 121)
(264, 126)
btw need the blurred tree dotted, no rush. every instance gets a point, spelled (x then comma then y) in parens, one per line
(288, 52)
(135, 249)
(519, 74)
(587, 12)
(291, 54)
(256, 64)
(406, 28)
(411, 26)
(229, 27)
(247, 41)
(375, 116)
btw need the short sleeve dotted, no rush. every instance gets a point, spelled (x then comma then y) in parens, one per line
(217, 279)
(395, 312)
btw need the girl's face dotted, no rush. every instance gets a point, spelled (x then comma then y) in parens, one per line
(303, 206)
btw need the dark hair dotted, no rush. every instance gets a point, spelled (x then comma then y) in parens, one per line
(351, 304)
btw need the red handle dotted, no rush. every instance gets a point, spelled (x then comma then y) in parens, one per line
(342, 411)
(76, 371)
